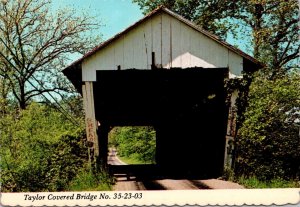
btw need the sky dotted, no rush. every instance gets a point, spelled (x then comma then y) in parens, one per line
(113, 15)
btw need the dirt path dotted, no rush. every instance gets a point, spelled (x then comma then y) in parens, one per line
(123, 184)
(127, 182)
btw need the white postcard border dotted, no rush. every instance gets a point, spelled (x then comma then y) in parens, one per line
(165, 197)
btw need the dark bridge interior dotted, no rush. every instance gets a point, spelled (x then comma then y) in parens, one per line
(186, 107)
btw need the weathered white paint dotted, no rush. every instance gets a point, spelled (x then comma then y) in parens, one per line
(166, 41)
(90, 120)
(235, 65)
(175, 44)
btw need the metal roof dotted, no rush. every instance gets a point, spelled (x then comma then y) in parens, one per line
(180, 18)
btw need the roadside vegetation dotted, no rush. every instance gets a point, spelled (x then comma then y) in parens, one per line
(254, 182)
(135, 145)
(42, 151)
(268, 142)
(86, 180)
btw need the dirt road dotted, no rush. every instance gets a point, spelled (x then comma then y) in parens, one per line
(126, 182)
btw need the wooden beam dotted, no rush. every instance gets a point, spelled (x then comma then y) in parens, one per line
(90, 119)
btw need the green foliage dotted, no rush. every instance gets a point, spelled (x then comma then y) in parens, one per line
(253, 182)
(268, 143)
(242, 86)
(137, 143)
(210, 15)
(88, 181)
(40, 150)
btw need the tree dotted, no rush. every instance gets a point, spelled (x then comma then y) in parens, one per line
(4, 90)
(35, 45)
(274, 31)
(210, 15)
(271, 25)
(269, 141)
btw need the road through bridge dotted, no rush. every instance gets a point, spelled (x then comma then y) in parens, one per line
(127, 180)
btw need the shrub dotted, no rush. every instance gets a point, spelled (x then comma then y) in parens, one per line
(268, 143)
(40, 150)
(253, 182)
(88, 181)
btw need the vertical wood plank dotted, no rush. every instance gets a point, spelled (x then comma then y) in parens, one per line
(119, 52)
(128, 51)
(139, 48)
(147, 29)
(156, 35)
(166, 47)
(89, 70)
(185, 46)
(176, 46)
(194, 49)
(235, 63)
(109, 57)
(90, 120)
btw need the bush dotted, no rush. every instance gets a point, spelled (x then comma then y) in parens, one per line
(40, 150)
(268, 143)
(253, 182)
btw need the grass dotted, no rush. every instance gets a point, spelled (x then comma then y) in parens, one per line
(88, 181)
(131, 160)
(253, 182)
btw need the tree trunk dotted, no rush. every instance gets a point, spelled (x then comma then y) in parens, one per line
(257, 28)
(22, 102)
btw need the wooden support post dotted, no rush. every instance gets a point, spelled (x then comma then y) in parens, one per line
(90, 121)
(231, 131)
(102, 132)
(153, 65)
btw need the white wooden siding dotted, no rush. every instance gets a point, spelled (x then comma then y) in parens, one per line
(175, 45)
(166, 41)
(235, 65)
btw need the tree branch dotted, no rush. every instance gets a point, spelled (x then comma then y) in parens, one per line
(38, 92)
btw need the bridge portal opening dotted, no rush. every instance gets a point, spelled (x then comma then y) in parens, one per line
(185, 106)
(132, 145)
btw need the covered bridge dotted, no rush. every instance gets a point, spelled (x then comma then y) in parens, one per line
(166, 72)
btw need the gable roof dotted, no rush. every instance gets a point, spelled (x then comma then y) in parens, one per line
(178, 17)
